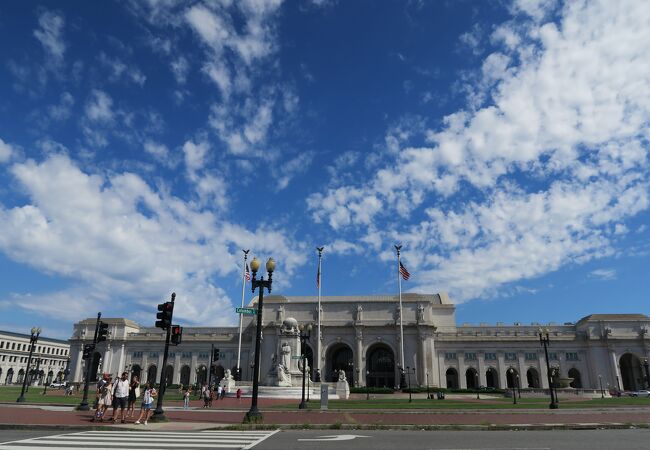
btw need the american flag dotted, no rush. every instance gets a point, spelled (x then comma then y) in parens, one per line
(405, 273)
(318, 278)
(247, 273)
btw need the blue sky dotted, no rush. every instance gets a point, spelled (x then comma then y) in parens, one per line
(143, 144)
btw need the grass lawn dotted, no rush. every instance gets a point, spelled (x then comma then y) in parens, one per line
(492, 403)
(35, 395)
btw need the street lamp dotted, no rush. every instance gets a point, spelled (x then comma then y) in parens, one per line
(545, 341)
(647, 373)
(305, 333)
(512, 380)
(478, 397)
(367, 387)
(600, 382)
(409, 371)
(428, 394)
(36, 331)
(254, 415)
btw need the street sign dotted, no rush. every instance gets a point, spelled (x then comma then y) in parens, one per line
(248, 311)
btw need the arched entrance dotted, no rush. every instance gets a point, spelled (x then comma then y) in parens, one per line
(451, 377)
(532, 378)
(21, 375)
(218, 373)
(169, 375)
(185, 375)
(50, 375)
(492, 378)
(135, 371)
(10, 376)
(380, 366)
(512, 378)
(309, 355)
(631, 372)
(340, 359)
(471, 378)
(577, 381)
(94, 366)
(151, 374)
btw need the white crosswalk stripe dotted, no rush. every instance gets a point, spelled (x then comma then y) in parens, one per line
(143, 440)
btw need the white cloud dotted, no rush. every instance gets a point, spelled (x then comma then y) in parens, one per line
(552, 150)
(180, 67)
(118, 70)
(99, 107)
(61, 111)
(6, 151)
(604, 274)
(195, 155)
(158, 151)
(50, 34)
(126, 246)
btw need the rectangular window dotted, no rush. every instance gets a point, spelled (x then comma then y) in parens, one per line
(203, 355)
(153, 355)
(490, 356)
(470, 356)
(449, 356)
(552, 356)
(531, 356)
(510, 356)
(172, 354)
(571, 356)
(137, 354)
(186, 354)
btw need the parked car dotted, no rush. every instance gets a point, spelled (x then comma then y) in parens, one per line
(641, 393)
(58, 385)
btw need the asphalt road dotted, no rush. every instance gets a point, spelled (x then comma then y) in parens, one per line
(406, 439)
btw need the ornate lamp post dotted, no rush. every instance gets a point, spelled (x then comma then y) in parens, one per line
(367, 387)
(600, 382)
(254, 415)
(428, 394)
(36, 332)
(545, 341)
(409, 371)
(647, 373)
(513, 380)
(478, 396)
(305, 333)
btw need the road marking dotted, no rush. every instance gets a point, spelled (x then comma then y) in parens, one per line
(143, 440)
(336, 437)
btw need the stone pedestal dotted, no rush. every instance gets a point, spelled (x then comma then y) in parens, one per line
(343, 389)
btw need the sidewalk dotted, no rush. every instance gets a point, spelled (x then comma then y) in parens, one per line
(195, 419)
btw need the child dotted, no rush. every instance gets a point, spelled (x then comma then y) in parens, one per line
(147, 402)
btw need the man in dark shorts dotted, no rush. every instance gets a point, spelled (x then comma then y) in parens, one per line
(120, 397)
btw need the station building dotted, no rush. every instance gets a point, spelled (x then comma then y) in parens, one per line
(361, 336)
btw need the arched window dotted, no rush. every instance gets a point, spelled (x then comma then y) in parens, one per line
(512, 378)
(169, 375)
(380, 367)
(471, 378)
(492, 378)
(340, 358)
(577, 381)
(151, 374)
(532, 377)
(631, 373)
(10, 376)
(136, 371)
(185, 375)
(451, 377)
(201, 375)
(21, 375)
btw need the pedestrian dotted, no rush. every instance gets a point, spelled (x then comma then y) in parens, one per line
(147, 401)
(219, 391)
(104, 400)
(100, 386)
(206, 396)
(186, 398)
(180, 389)
(224, 390)
(211, 391)
(238, 393)
(120, 397)
(134, 394)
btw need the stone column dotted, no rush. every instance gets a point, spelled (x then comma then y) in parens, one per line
(144, 375)
(614, 369)
(442, 379)
(523, 379)
(543, 379)
(177, 368)
(502, 368)
(106, 366)
(359, 359)
(77, 365)
(121, 359)
(423, 367)
(482, 381)
(193, 366)
(462, 380)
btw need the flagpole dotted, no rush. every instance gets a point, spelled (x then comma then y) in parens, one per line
(401, 314)
(241, 316)
(318, 349)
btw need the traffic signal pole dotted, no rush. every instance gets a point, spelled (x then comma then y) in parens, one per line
(83, 406)
(159, 413)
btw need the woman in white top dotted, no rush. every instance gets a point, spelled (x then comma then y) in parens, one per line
(147, 403)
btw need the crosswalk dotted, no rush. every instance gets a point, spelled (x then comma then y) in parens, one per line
(143, 440)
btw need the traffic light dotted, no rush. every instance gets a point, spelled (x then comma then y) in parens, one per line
(177, 334)
(88, 351)
(102, 332)
(165, 315)
(215, 354)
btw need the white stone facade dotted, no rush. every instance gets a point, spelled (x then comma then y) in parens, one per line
(361, 335)
(50, 357)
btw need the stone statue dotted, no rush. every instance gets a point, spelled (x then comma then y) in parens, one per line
(280, 314)
(342, 375)
(359, 316)
(285, 360)
(284, 377)
(420, 313)
(228, 381)
(289, 326)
